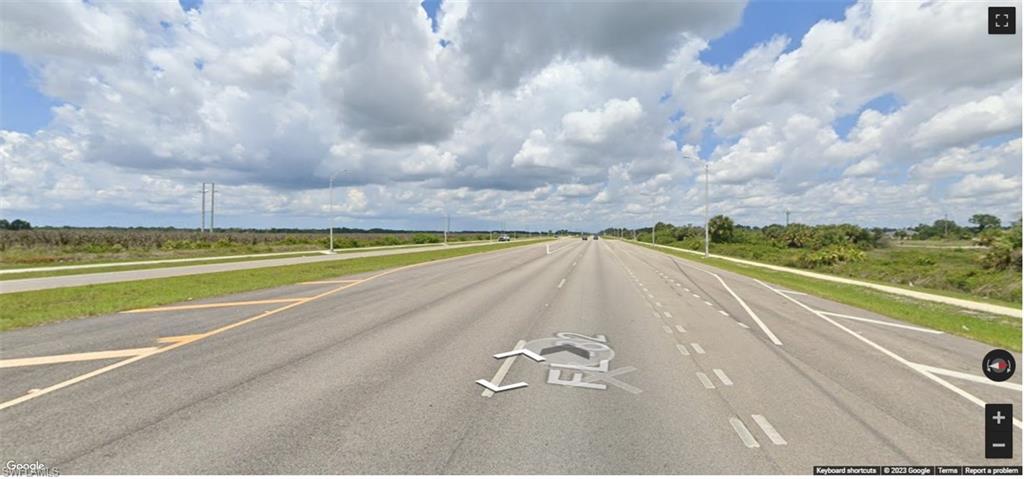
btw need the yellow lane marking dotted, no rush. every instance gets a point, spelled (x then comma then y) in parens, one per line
(178, 339)
(69, 358)
(154, 351)
(215, 305)
(340, 281)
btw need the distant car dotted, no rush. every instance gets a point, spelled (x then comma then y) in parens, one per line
(597, 237)
(504, 238)
(584, 237)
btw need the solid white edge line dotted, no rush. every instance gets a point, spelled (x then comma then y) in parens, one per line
(769, 430)
(745, 436)
(749, 311)
(503, 370)
(970, 377)
(914, 366)
(884, 323)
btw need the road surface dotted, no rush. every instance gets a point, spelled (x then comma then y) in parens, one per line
(48, 282)
(653, 365)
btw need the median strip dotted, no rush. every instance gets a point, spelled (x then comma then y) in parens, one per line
(31, 308)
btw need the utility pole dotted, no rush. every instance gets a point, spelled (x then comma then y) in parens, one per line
(202, 224)
(787, 216)
(213, 195)
(330, 207)
(707, 235)
(654, 223)
(945, 225)
(447, 224)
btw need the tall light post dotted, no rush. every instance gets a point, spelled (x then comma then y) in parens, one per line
(330, 209)
(707, 234)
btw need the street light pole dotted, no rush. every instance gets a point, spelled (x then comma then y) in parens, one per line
(330, 209)
(707, 235)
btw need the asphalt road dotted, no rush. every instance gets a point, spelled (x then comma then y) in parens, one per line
(653, 365)
(48, 282)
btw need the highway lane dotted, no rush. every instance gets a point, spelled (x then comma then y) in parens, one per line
(63, 281)
(379, 377)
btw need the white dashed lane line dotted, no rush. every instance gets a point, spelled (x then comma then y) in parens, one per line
(769, 431)
(705, 381)
(696, 347)
(667, 329)
(680, 329)
(667, 314)
(722, 377)
(745, 436)
(561, 283)
(744, 326)
(723, 313)
(682, 350)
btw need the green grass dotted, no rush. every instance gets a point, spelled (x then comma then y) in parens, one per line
(30, 308)
(198, 260)
(996, 330)
(951, 272)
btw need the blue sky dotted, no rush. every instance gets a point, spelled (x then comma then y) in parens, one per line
(561, 121)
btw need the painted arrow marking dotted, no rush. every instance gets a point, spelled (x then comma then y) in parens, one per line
(489, 385)
(583, 353)
(525, 352)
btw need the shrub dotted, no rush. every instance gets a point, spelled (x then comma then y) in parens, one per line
(831, 255)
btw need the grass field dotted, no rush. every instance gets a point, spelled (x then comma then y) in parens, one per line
(18, 310)
(71, 246)
(996, 330)
(954, 272)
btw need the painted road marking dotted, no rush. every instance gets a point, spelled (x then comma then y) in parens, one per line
(686, 289)
(769, 430)
(968, 377)
(561, 283)
(749, 311)
(705, 381)
(94, 373)
(741, 430)
(645, 290)
(884, 323)
(695, 295)
(178, 339)
(722, 377)
(696, 347)
(680, 329)
(682, 350)
(723, 313)
(216, 305)
(708, 303)
(744, 326)
(913, 366)
(339, 281)
(503, 370)
(667, 329)
(656, 315)
(650, 295)
(667, 314)
(75, 357)
(657, 304)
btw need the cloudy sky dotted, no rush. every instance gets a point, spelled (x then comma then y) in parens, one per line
(533, 114)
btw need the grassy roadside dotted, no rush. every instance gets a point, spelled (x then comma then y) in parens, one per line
(30, 308)
(199, 260)
(996, 330)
